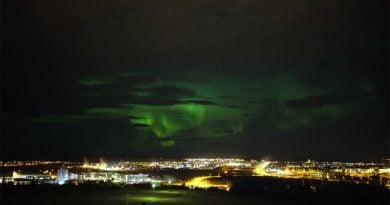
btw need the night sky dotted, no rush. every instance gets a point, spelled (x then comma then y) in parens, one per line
(286, 80)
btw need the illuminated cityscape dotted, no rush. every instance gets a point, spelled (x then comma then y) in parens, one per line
(220, 171)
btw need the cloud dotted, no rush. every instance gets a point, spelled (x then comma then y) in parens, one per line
(317, 101)
(171, 92)
(265, 101)
(200, 102)
(93, 81)
(225, 96)
(156, 101)
(136, 80)
(71, 118)
(246, 114)
(113, 111)
(253, 102)
(140, 125)
(233, 106)
(137, 89)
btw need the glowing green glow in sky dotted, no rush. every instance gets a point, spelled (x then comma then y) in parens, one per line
(170, 121)
(222, 106)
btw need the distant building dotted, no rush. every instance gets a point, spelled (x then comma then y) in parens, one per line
(62, 176)
(23, 179)
(137, 179)
(17, 175)
(73, 176)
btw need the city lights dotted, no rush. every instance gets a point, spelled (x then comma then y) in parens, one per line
(135, 172)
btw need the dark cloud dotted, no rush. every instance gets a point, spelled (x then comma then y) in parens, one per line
(225, 96)
(317, 101)
(140, 125)
(93, 81)
(233, 106)
(228, 131)
(200, 102)
(246, 114)
(129, 89)
(56, 118)
(154, 96)
(135, 80)
(253, 102)
(171, 92)
(262, 101)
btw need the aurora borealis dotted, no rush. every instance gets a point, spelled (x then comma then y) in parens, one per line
(167, 107)
(136, 79)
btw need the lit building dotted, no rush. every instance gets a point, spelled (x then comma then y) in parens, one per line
(17, 175)
(62, 175)
(137, 179)
(24, 179)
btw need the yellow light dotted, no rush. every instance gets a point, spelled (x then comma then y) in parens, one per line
(204, 183)
(260, 169)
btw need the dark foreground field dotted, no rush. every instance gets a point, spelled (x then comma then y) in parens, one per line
(110, 195)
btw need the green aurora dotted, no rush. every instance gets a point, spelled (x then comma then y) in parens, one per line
(220, 106)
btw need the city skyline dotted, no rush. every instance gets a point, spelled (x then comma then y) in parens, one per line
(210, 172)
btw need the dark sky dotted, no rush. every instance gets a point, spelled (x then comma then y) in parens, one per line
(285, 80)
